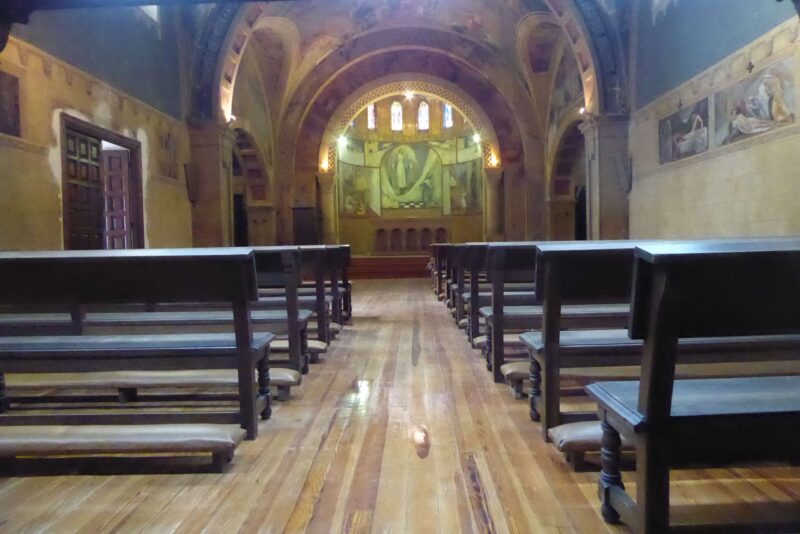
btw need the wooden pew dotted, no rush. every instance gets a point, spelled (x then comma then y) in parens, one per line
(277, 267)
(77, 279)
(515, 262)
(339, 261)
(698, 290)
(438, 251)
(601, 272)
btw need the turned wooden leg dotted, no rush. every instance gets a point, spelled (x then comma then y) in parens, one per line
(518, 393)
(304, 353)
(610, 474)
(536, 389)
(127, 395)
(487, 350)
(263, 388)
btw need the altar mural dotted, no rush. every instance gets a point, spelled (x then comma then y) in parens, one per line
(444, 177)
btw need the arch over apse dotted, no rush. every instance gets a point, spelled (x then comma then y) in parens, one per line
(397, 85)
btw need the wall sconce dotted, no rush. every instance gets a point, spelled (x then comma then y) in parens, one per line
(325, 165)
(493, 161)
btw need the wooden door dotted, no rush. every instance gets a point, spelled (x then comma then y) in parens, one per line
(116, 178)
(83, 193)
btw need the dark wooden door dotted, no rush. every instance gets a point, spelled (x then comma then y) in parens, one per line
(84, 210)
(116, 177)
(305, 226)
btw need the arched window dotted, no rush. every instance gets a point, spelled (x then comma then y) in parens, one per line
(423, 116)
(447, 116)
(371, 124)
(397, 117)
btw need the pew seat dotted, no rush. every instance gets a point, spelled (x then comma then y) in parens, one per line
(280, 378)
(79, 440)
(576, 312)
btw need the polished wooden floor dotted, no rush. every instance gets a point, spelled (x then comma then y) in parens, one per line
(400, 429)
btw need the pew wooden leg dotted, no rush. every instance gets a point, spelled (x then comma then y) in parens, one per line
(128, 395)
(4, 402)
(610, 474)
(220, 459)
(283, 393)
(487, 349)
(304, 353)
(263, 388)
(550, 397)
(652, 485)
(518, 393)
(536, 389)
(247, 396)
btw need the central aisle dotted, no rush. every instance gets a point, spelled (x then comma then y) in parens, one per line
(398, 429)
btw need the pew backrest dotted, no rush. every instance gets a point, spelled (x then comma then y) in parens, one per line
(708, 289)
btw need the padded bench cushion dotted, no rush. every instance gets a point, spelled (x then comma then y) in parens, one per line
(510, 341)
(584, 436)
(117, 439)
(279, 376)
(516, 371)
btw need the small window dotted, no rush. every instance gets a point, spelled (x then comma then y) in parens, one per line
(9, 105)
(397, 117)
(423, 117)
(447, 116)
(150, 11)
(371, 123)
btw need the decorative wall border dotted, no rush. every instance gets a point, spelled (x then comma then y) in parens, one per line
(778, 44)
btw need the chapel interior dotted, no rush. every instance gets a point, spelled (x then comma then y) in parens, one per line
(399, 266)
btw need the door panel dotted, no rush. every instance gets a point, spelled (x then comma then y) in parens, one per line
(116, 170)
(84, 196)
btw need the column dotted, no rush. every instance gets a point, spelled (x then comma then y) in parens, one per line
(210, 180)
(326, 181)
(607, 176)
(493, 212)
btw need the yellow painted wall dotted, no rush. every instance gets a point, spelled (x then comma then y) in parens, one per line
(30, 166)
(748, 188)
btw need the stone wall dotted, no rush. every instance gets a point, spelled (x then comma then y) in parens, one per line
(31, 170)
(739, 176)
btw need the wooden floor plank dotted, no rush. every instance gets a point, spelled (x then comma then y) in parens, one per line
(400, 428)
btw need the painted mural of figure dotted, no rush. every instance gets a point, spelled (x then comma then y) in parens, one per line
(400, 171)
(778, 109)
(762, 112)
(695, 140)
(427, 191)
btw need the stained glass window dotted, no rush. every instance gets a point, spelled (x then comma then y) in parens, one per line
(423, 116)
(397, 117)
(371, 117)
(447, 118)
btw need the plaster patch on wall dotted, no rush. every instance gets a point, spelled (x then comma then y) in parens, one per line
(141, 136)
(102, 110)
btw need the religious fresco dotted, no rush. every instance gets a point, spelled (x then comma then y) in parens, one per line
(447, 175)
(684, 133)
(411, 176)
(466, 187)
(359, 190)
(758, 104)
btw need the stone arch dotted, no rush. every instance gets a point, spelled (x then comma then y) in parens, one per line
(495, 84)
(249, 20)
(396, 85)
(252, 163)
(566, 167)
(596, 45)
